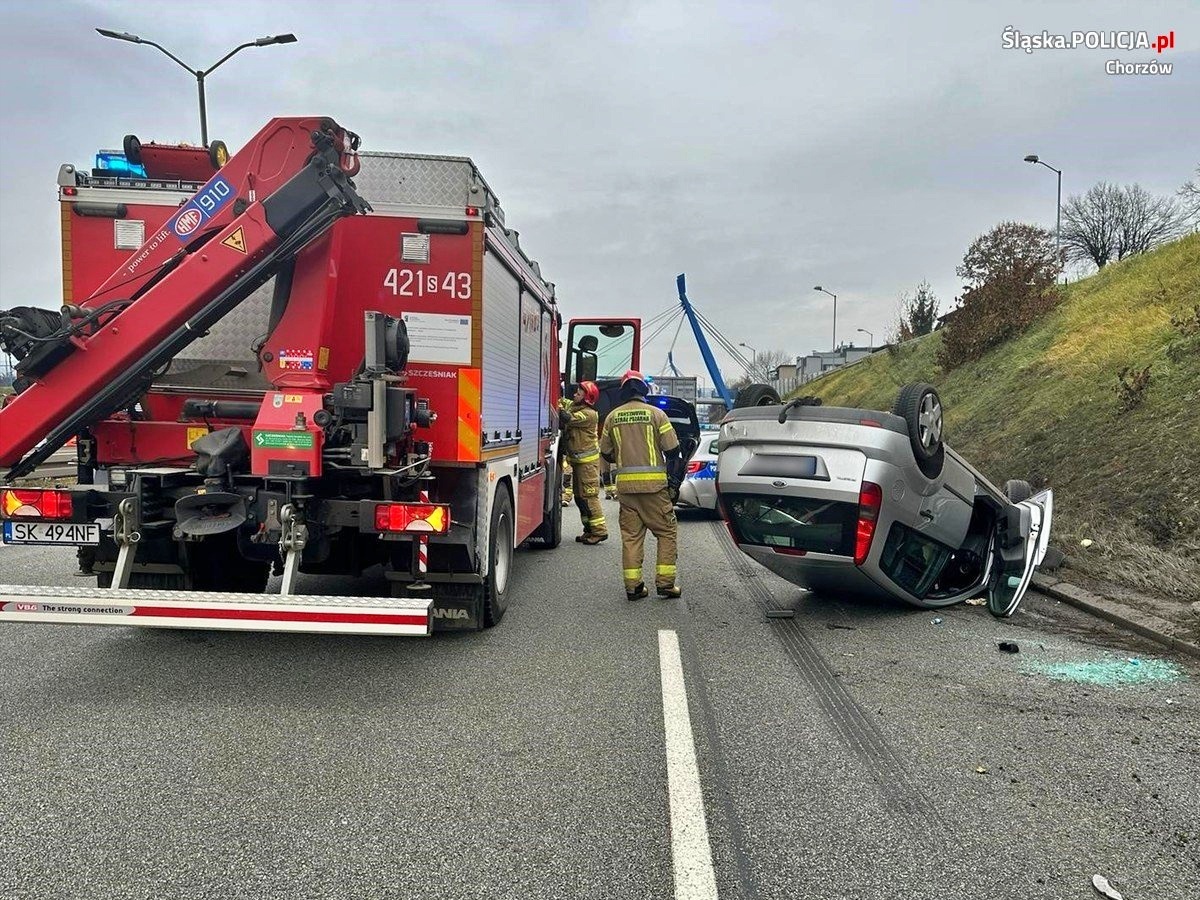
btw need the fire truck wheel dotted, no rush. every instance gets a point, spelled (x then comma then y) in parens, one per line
(500, 559)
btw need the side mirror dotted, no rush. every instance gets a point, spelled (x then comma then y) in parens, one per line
(587, 367)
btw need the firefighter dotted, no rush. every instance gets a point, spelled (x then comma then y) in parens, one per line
(641, 442)
(579, 423)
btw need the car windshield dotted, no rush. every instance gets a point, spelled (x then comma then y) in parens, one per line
(793, 523)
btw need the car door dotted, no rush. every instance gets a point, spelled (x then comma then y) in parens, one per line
(1018, 547)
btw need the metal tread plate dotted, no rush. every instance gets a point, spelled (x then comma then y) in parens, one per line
(213, 610)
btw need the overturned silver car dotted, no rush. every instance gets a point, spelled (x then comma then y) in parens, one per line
(855, 502)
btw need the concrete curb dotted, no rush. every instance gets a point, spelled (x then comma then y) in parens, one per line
(1141, 623)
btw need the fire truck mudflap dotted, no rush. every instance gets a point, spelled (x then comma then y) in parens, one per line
(399, 616)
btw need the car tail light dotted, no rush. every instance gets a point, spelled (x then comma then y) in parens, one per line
(695, 466)
(35, 504)
(430, 518)
(870, 499)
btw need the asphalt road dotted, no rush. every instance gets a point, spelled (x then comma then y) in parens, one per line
(838, 754)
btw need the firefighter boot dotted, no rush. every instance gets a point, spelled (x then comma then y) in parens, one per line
(638, 593)
(670, 591)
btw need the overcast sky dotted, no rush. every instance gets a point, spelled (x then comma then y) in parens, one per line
(762, 148)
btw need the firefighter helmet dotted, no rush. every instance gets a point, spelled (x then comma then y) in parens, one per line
(591, 393)
(635, 381)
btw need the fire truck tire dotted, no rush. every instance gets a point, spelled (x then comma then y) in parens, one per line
(495, 586)
(133, 149)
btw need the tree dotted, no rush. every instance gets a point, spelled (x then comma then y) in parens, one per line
(917, 314)
(1189, 197)
(1011, 273)
(1112, 222)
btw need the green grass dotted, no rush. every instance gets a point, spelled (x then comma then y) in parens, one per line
(1044, 407)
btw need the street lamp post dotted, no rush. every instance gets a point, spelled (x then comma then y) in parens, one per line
(200, 74)
(1033, 158)
(870, 336)
(834, 296)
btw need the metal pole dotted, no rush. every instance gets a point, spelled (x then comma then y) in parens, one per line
(1058, 223)
(203, 114)
(835, 321)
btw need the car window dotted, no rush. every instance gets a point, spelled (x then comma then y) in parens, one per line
(714, 447)
(794, 523)
(912, 560)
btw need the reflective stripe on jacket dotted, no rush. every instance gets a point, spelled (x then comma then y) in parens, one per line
(638, 436)
(581, 442)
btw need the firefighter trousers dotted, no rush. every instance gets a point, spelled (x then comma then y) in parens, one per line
(585, 482)
(654, 512)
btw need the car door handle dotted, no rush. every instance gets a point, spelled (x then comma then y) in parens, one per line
(927, 514)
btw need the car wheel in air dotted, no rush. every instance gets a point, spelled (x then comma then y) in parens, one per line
(133, 149)
(921, 408)
(1017, 490)
(756, 395)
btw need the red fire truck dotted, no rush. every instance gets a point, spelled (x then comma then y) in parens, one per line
(315, 361)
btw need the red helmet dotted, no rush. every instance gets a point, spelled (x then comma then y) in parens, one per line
(591, 393)
(637, 381)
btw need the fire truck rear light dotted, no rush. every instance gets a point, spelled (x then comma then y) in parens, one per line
(35, 504)
(427, 518)
(472, 210)
(70, 191)
(870, 499)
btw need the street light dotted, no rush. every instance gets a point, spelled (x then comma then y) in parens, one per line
(751, 349)
(1033, 158)
(200, 74)
(870, 336)
(834, 296)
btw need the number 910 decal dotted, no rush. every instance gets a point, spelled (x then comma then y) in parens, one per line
(207, 203)
(415, 283)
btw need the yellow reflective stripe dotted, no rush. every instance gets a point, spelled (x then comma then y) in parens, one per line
(651, 445)
(665, 427)
(632, 574)
(664, 570)
(643, 476)
(586, 456)
(579, 417)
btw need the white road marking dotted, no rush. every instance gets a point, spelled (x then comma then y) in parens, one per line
(694, 878)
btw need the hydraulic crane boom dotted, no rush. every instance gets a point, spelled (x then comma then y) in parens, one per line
(285, 188)
(705, 351)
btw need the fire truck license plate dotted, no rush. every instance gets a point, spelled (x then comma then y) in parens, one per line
(51, 533)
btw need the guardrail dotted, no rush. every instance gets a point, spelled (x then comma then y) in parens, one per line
(60, 464)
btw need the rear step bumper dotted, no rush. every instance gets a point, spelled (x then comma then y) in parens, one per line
(209, 610)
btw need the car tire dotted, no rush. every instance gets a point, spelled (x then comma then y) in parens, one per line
(756, 395)
(218, 154)
(133, 149)
(1017, 490)
(921, 408)
(500, 559)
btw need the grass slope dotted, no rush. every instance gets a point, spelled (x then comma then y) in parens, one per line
(1044, 407)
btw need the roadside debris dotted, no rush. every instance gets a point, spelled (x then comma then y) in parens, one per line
(834, 625)
(1086, 542)
(937, 621)
(781, 614)
(977, 601)
(1009, 647)
(981, 770)
(1100, 883)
